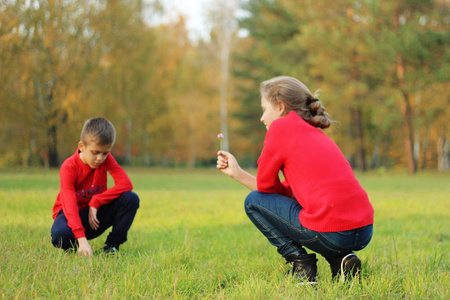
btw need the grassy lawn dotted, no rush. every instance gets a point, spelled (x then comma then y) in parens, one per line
(191, 239)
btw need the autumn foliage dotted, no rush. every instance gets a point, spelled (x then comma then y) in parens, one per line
(382, 68)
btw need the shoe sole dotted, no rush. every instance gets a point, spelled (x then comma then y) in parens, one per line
(350, 267)
(308, 283)
(301, 283)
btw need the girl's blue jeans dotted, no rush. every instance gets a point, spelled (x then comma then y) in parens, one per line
(277, 217)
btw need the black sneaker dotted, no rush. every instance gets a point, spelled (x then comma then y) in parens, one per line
(110, 250)
(345, 268)
(303, 267)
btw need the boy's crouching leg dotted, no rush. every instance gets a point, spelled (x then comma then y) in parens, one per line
(127, 206)
(62, 236)
(130, 200)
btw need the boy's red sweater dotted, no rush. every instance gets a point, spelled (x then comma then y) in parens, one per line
(82, 186)
(316, 172)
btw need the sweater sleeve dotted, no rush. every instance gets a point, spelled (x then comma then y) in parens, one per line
(267, 179)
(68, 197)
(122, 184)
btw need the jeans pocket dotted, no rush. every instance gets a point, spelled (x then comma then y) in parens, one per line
(363, 237)
(317, 244)
(347, 232)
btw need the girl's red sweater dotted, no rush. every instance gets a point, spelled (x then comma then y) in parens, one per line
(316, 173)
(82, 186)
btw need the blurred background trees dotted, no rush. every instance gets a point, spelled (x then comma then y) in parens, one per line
(381, 66)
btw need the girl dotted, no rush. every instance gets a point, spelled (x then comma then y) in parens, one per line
(320, 205)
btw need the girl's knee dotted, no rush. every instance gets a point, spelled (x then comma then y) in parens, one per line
(251, 199)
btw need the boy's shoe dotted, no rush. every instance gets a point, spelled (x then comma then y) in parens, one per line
(303, 267)
(108, 250)
(345, 268)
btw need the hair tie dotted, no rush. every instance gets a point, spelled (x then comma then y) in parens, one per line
(312, 101)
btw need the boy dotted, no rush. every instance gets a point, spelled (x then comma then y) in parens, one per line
(85, 207)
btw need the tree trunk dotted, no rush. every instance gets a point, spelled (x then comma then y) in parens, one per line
(425, 146)
(192, 142)
(416, 147)
(52, 129)
(32, 146)
(385, 155)
(53, 161)
(407, 117)
(360, 151)
(408, 132)
(443, 154)
(223, 96)
(222, 17)
(128, 126)
(375, 162)
(146, 142)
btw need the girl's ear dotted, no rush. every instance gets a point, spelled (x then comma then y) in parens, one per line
(281, 108)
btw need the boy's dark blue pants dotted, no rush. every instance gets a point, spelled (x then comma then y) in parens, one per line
(119, 214)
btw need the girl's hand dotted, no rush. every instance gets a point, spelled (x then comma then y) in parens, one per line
(227, 163)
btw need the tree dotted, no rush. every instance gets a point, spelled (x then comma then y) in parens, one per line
(122, 78)
(266, 52)
(222, 16)
(339, 62)
(51, 43)
(367, 55)
(413, 44)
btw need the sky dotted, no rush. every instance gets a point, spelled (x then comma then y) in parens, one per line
(194, 12)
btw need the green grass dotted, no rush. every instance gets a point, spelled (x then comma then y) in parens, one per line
(191, 239)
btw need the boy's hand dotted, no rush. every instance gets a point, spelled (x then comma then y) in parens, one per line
(84, 248)
(93, 221)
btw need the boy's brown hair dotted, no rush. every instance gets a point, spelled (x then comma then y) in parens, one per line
(100, 129)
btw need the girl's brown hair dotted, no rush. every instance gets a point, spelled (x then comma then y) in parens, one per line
(297, 97)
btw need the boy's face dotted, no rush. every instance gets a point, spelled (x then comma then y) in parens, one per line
(92, 153)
